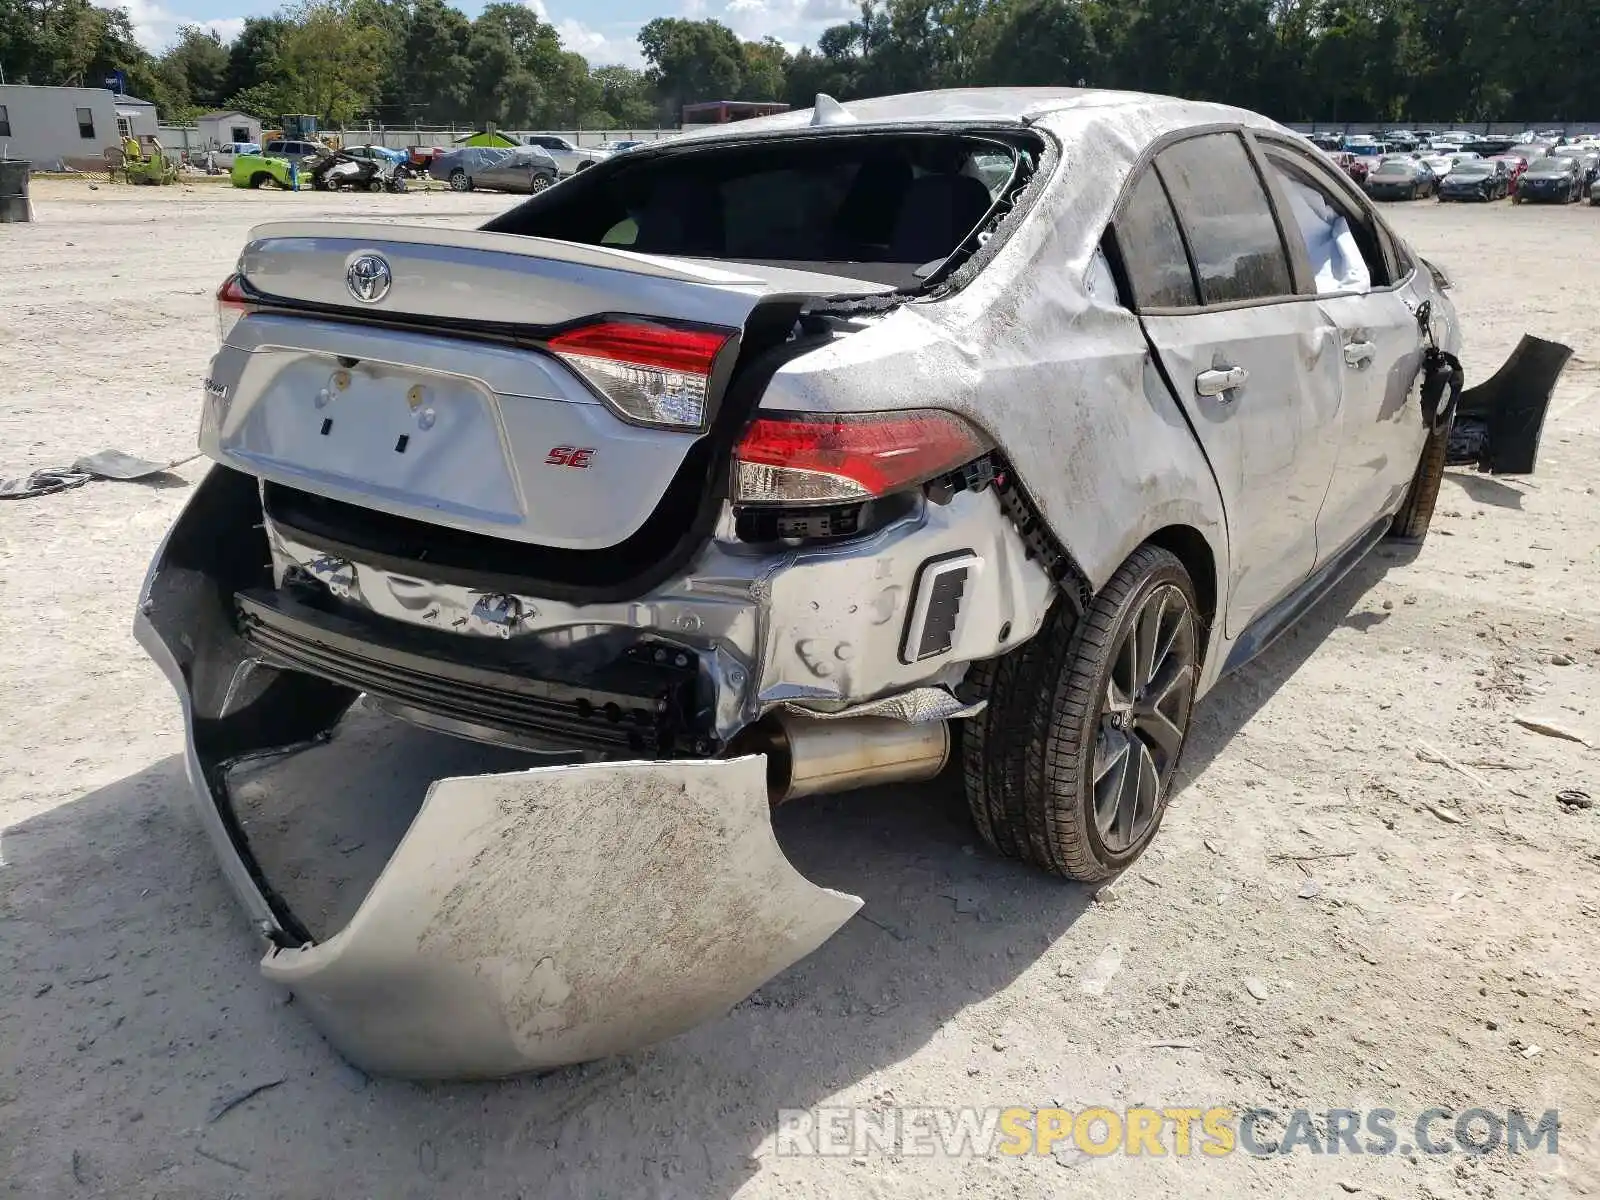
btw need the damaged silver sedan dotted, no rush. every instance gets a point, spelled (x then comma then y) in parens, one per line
(797, 455)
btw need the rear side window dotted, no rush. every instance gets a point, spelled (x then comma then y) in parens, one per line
(1152, 249)
(1224, 211)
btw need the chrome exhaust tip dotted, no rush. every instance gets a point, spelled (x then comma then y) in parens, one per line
(811, 757)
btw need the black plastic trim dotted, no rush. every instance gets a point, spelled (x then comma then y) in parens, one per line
(630, 706)
(1256, 637)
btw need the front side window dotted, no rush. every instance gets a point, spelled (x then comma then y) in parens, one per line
(1340, 242)
(85, 123)
(1225, 214)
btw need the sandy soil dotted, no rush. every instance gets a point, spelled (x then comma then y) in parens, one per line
(1452, 927)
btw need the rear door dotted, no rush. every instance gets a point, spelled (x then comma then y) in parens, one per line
(495, 170)
(1254, 365)
(1379, 433)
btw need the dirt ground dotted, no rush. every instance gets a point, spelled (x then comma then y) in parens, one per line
(1328, 919)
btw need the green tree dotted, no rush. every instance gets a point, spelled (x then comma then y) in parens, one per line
(202, 61)
(332, 64)
(253, 62)
(437, 80)
(515, 58)
(625, 96)
(690, 61)
(764, 70)
(1035, 43)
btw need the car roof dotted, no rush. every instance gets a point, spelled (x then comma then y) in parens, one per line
(1019, 106)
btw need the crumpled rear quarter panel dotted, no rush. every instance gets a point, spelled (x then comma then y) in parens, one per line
(1059, 377)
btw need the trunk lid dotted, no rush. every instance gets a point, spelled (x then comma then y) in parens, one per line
(365, 374)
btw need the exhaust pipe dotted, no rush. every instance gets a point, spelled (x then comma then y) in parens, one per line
(808, 757)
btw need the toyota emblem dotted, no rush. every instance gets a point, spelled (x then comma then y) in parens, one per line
(368, 278)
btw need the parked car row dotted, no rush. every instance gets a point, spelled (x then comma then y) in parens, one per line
(1557, 174)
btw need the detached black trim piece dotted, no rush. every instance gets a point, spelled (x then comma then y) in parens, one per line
(1497, 423)
(632, 706)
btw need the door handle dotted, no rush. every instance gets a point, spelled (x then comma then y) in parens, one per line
(1359, 354)
(1219, 382)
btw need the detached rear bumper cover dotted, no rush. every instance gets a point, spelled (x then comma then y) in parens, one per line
(563, 914)
(527, 920)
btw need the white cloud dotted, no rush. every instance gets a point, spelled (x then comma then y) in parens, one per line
(602, 49)
(156, 28)
(620, 45)
(794, 22)
(226, 28)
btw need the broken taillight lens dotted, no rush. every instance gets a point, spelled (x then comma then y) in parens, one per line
(801, 458)
(232, 304)
(653, 374)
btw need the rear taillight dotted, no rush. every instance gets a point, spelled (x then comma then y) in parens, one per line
(794, 458)
(232, 304)
(653, 374)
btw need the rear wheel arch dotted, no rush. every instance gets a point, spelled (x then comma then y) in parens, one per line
(1195, 553)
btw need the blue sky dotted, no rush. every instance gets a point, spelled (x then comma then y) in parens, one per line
(603, 31)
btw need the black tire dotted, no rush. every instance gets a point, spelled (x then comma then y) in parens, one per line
(539, 183)
(375, 185)
(1416, 513)
(1029, 758)
(460, 181)
(583, 165)
(260, 179)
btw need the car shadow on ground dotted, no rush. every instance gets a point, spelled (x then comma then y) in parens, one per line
(135, 973)
(1485, 489)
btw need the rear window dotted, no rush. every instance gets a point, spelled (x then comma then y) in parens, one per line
(878, 208)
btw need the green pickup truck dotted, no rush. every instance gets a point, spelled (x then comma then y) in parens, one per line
(259, 170)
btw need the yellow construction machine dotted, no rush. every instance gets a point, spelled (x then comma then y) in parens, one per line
(143, 161)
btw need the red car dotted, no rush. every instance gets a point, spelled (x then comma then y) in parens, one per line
(1515, 166)
(421, 156)
(1353, 165)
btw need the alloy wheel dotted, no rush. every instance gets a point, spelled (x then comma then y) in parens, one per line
(1144, 715)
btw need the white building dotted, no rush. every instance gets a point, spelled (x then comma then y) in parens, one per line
(219, 128)
(50, 126)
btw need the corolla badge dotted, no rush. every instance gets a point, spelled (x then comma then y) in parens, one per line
(368, 278)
